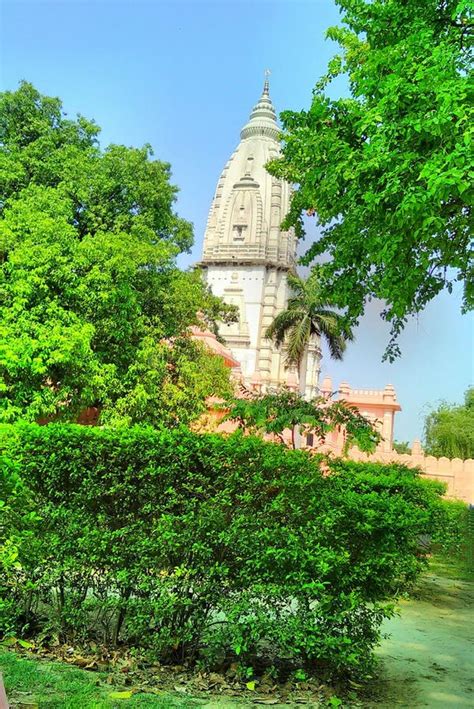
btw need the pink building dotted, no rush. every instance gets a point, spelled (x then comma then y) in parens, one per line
(379, 407)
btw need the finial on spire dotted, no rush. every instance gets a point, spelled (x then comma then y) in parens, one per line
(266, 85)
(263, 120)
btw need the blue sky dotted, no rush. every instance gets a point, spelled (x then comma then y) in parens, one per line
(183, 76)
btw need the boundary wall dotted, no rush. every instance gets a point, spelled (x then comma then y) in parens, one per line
(456, 473)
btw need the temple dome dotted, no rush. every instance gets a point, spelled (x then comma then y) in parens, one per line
(263, 119)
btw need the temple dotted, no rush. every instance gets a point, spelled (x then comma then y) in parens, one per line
(247, 256)
(378, 406)
(246, 260)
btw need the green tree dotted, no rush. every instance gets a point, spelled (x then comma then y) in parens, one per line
(275, 413)
(308, 315)
(91, 301)
(388, 171)
(402, 447)
(449, 429)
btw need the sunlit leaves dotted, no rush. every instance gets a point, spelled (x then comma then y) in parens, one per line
(286, 412)
(388, 172)
(193, 547)
(90, 295)
(449, 429)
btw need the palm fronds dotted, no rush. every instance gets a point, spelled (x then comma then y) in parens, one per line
(306, 316)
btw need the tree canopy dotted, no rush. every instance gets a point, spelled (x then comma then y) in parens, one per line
(93, 310)
(402, 447)
(449, 429)
(387, 171)
(285, 410)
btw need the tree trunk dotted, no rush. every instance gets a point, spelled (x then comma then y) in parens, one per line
(303, 372)
(120, 617)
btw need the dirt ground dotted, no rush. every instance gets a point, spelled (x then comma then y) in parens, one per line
(428, 660)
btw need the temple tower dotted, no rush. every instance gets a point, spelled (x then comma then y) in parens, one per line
(247, 256)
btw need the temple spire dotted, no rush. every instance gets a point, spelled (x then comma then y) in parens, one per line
(266, 85)
(263, 120)
(247, 255)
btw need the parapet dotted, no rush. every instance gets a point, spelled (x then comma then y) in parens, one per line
(381, 398)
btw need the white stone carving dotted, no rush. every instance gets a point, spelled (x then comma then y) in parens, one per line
(247, 256)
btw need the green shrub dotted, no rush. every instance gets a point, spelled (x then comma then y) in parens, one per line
(450, 533)
(201, 547)
(18, 546)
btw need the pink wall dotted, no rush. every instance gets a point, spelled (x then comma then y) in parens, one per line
(456, 473)
(378, 406)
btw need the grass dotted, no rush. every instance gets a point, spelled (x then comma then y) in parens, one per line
(53, 685)
(451, 567)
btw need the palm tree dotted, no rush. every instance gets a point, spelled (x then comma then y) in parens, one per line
(307, 315)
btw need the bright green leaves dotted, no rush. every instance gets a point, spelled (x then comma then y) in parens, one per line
(449, 429)
(201, 547)
(285, 411)
(390, 166)
(168, 384)
(89, 291)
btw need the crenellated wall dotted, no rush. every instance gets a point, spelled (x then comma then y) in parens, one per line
(456, 473)
(380, 407)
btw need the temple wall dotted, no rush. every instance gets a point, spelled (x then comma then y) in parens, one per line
(456, 473)
(380, 408)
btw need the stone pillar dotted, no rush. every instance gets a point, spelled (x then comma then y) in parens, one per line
(256, 382)
(275, 220)
(416, 448)
(387, 431)
(389, 397)
(344, 390)
(292, 379)
(312, 371)
(265, 353)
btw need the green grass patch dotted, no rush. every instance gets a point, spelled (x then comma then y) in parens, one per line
(451, 567)
(53, 685)
(458, 567)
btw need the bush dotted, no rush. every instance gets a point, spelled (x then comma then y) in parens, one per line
(18, 545)
(200, 547)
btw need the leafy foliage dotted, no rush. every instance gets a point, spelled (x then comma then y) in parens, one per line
(201, 547)
(18, 522)
(449, 429)
(307, 316)
(276, 413)
(453, 535)
(89, 290)
(402, 447)
(388, 171)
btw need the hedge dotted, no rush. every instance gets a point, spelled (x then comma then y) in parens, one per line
(202, 548)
